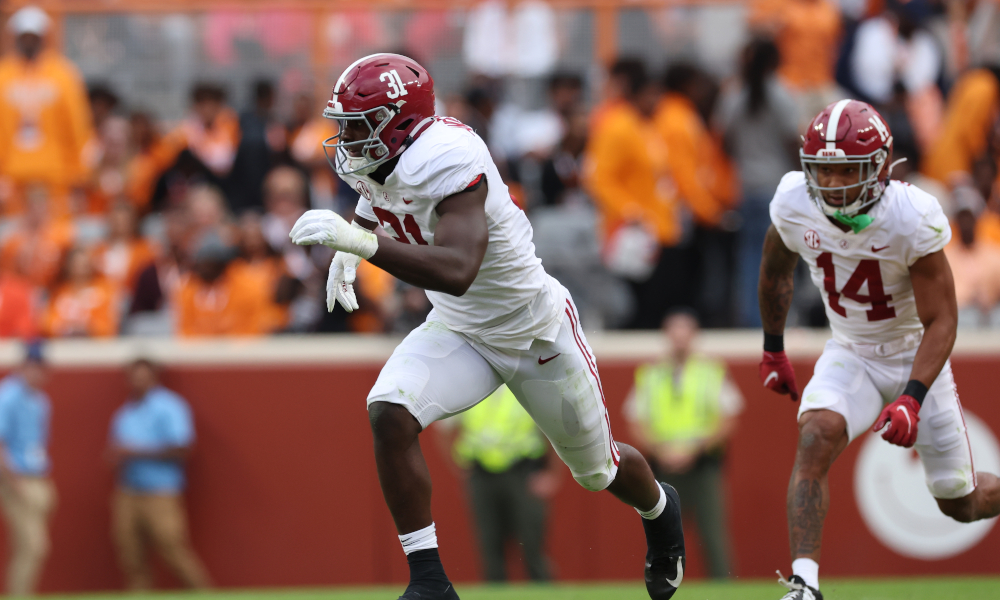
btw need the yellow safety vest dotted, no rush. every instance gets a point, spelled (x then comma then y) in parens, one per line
(690, 412)
(497, 433)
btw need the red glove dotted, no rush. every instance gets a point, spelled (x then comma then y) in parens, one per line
(776, 373)
(902, 418)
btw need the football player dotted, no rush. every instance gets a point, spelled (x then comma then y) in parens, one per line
(874, 250)
(435, 213)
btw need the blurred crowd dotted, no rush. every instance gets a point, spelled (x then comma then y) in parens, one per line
(648, 191)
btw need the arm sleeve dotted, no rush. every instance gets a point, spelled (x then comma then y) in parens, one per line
(364, 210)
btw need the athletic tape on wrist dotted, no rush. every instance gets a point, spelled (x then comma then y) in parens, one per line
(365, 243)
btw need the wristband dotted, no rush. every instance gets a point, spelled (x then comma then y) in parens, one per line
(774, 342)
(916, 390)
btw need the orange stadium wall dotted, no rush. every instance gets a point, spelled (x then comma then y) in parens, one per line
(283, 490)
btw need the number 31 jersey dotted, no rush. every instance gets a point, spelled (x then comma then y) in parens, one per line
(864, 277)
(512, 301)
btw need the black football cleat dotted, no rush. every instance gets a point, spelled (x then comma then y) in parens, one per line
(665, 556)
(797, 589)
(418, 592)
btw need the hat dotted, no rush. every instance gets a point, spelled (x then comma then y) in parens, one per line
(29, 19)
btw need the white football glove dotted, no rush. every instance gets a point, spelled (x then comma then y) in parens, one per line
(339, 283)
(330, 229)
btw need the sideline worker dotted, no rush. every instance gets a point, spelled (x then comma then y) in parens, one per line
(151, 438)
(510, 479)
(26, 491)
(681, 411)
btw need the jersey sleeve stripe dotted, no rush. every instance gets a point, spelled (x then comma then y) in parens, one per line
(475, 183)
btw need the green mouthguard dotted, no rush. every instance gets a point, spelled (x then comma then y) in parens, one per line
(856, 222)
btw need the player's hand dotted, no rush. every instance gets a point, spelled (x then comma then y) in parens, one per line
(330, 229)
(776, 373)
(902, 418)
(340, 282)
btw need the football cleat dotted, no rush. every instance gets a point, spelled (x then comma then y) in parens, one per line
(665, 554)
(421, 593)
(797, 589)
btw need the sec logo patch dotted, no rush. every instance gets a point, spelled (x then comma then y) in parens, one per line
(812, 239)
(364, 191)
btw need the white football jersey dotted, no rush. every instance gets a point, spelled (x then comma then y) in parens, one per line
(864, 277)
(512, 301)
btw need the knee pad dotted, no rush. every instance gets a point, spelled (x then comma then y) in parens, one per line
(597, 482)
(948, 488)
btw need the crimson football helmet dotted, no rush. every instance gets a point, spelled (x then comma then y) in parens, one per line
(848, 131)
(393, 96)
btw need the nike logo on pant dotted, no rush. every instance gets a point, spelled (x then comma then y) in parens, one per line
(542, 362)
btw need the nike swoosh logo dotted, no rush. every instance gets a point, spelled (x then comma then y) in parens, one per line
(906, 414)
(773, 375)
(405, 201)
(542, 362)
(680, 575)
(874, 249)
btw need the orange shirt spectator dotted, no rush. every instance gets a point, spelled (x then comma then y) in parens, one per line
(108, 179)
(147, 163)
(44, 118)
(17, 308)
(84, 305)
(211, 133)
(124, 254)
(807, 33)
(973, 109)
(625, 173)
(230, 305)
(218, 299)
(36, 247)
(702, 175)
(267, 269)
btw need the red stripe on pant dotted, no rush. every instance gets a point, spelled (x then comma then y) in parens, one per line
(593, 371)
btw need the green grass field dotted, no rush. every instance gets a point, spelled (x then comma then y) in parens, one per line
(940, 588)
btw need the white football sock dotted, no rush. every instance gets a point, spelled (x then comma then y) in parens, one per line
(808, 570)
(423, 539)
(658, 509)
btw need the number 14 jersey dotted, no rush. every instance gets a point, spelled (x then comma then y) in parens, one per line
(864, 277)
(512, 301)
